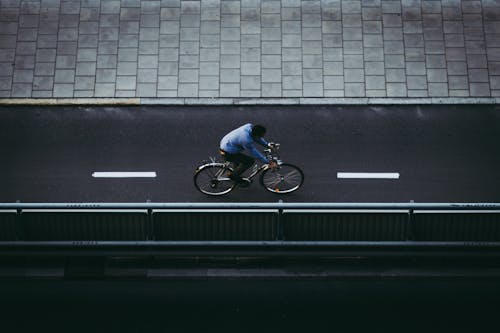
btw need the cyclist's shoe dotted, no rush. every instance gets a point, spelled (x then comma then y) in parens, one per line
(242, 182)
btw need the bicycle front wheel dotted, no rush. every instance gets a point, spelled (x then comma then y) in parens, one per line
(211, 179)
(287, 178)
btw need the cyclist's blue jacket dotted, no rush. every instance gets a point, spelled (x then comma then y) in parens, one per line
(241, 139)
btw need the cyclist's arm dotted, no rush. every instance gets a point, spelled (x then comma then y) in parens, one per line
(262, 142)
(256, 153)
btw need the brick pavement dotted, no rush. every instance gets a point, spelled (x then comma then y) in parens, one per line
(249, 48)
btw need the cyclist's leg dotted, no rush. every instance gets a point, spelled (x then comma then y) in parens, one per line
(242, 162)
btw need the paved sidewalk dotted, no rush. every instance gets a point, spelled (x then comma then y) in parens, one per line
(249, 48)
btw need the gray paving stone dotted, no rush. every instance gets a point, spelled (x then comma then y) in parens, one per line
(107, 47)
(63, 90)
(250, 82)
(188, 75)
(87, 55)
(229, 90)
(477, 61)
(438, 89)
(21, 90)
(146, 89)
(333, 82)
(87, 41)
(291, 54)
(375, 82)
(230, 34)
(251, 54)
(271, 90)
(271, 61)
(416, 68)
(24, 62)
(37, 94)
(478, 75)
(374, 68)
(437, 75)
(295, 27)
(250, 68)
(333, 54)
(152, 34)
(63, 76)
(334, 68)
(105, 89)
(230, 61)
(151, 21)
(150, 6)
(6, 69)
(312, 75)
(271, 7)
(106, 75)
(47, 69)
(291, 14)
(86, 68)
(209, 68)
(415, 54)
(354, 90)
(374, 54)
(396, 90)
(458, 82)
(84, 83)
(127, 68)
(108, 34)
(353, 61)
(354, 75)
(147, 75)
(229, 75)
(271, 75)
(170, 41)
(126, 83)
(45, 55)
(148, 61)
(353, 47)
(209, 83)
(416, 82)
(209, 54)
(292, 68)
(495, 82)
(170, 68)
(394, 61)
(5, 83)
(23, 76)
(457, 68)
(395, 75)
(479, 89)
(435, 61)
(169, 54)
(188, 90)
(232, 47)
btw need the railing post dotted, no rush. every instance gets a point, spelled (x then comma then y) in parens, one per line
(280, 235)
(149, 224)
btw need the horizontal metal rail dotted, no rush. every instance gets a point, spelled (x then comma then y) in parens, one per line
(257, 205)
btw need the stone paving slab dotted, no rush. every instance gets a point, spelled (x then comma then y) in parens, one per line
(249, 49)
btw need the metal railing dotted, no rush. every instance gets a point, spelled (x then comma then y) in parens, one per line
(243, 228)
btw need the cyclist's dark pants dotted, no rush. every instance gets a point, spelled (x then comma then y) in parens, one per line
(241, 162)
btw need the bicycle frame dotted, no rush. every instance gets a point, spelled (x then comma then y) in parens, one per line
(269, 155)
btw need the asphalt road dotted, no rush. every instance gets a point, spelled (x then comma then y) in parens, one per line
(442, 153)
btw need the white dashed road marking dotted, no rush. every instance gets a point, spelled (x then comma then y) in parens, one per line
(149, 174)
(368, 175)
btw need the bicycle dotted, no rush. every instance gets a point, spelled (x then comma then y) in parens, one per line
(211, 178)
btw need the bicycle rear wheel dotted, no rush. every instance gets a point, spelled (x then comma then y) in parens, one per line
(287, 178)
(211, 179)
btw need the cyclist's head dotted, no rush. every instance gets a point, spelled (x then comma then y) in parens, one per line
(258, 131)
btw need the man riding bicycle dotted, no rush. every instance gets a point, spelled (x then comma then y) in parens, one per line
(240, 139)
